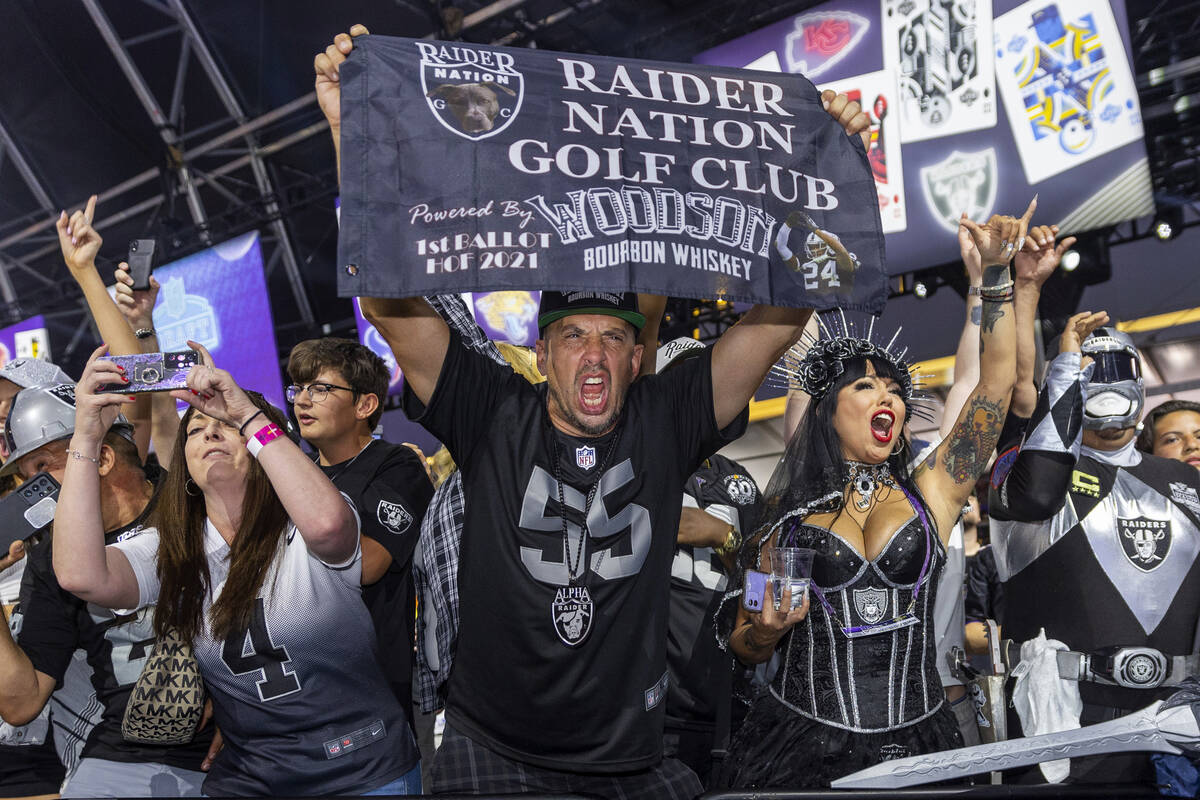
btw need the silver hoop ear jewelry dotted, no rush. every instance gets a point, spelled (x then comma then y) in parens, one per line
(188, 485)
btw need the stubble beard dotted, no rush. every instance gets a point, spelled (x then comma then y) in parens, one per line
(596, 428)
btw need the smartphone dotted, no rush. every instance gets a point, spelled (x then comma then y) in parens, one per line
(28, 509)
(141, 262)
(754, 590)
(153, 372)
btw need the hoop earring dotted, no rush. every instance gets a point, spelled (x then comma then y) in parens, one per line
(899, 450)
(188, 485)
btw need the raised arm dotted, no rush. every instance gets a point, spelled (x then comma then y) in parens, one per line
(1032, 269)
(80, 244)
(138, 309)
(947, 477)
(329, 91)
(417, 335)
(1034, 488)
(314, 505)
(745, 352)
(83, 565)
(966, 358)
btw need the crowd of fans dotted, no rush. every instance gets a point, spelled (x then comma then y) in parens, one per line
(569, 579)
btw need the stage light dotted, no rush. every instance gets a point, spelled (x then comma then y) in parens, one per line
(1070, 260)
(920, 289)
(1168, 223)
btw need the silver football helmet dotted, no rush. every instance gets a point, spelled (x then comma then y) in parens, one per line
(41, 415)
(1116, 393)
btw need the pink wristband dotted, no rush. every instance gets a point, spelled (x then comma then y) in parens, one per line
(264, 435)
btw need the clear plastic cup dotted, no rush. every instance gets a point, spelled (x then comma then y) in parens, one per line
(791, 566)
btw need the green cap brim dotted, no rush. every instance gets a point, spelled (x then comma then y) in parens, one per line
(635, 319)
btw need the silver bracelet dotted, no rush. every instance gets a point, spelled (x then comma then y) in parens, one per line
(78, 456)
(144, 333)
(974, 291)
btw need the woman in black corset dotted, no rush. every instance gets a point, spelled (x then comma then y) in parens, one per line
(858, 682)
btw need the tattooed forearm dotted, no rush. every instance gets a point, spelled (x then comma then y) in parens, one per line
(992, 312)
(975, 314)
(995, 275)
(973, 439)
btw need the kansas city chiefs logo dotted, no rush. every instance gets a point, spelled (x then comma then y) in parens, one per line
(822, 39)
(474, 92)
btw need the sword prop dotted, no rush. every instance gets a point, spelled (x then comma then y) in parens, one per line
(1163, 727)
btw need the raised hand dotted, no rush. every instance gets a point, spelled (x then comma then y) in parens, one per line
(1041, 257)
(1079, 327)
(214, 393)
(969, 252)
(849, 115)
(326, 65)
(96, 412)
(78, 239)
(137, 306)
(1001, 236)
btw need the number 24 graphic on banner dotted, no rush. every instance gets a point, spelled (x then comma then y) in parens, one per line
(264, 657)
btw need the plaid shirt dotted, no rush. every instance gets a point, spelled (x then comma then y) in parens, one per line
(435, 563)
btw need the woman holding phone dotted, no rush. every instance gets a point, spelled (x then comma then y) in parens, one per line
(254, 558)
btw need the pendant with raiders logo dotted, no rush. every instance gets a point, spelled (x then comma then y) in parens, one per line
(572, 612)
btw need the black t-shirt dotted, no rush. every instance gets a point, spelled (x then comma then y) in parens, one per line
(700, 676)
(560, 676)
(56, 623)
(391, 490)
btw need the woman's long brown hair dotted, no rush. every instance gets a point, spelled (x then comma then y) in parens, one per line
(183, 572)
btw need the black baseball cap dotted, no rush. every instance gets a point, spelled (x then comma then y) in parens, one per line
(556, 305)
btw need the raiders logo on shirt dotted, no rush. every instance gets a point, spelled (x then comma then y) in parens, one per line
(871, 604)
(1146, 542)
(393, 516)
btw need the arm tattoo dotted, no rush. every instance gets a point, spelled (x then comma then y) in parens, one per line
(992, 312)
(975, 314)
(973, 439)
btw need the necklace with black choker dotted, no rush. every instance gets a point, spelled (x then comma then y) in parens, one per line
(866, 478)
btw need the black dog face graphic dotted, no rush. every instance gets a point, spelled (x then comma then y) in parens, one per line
(474, 105)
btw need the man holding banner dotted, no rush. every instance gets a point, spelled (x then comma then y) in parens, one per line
(573, 487)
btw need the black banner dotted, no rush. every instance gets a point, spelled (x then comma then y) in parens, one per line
(475, 168)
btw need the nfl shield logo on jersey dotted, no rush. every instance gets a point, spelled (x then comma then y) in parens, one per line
(1146, 542)
(585, 457)
(572, 611)
(393, 516)
(871, 604)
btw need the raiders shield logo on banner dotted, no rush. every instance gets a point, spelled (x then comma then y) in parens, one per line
(960, 182)
(1146, 542)
(393, 516)
(871, 604)
(572, 612)
(472, 91)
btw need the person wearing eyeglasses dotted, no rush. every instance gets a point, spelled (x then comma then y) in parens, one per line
(337, 393)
